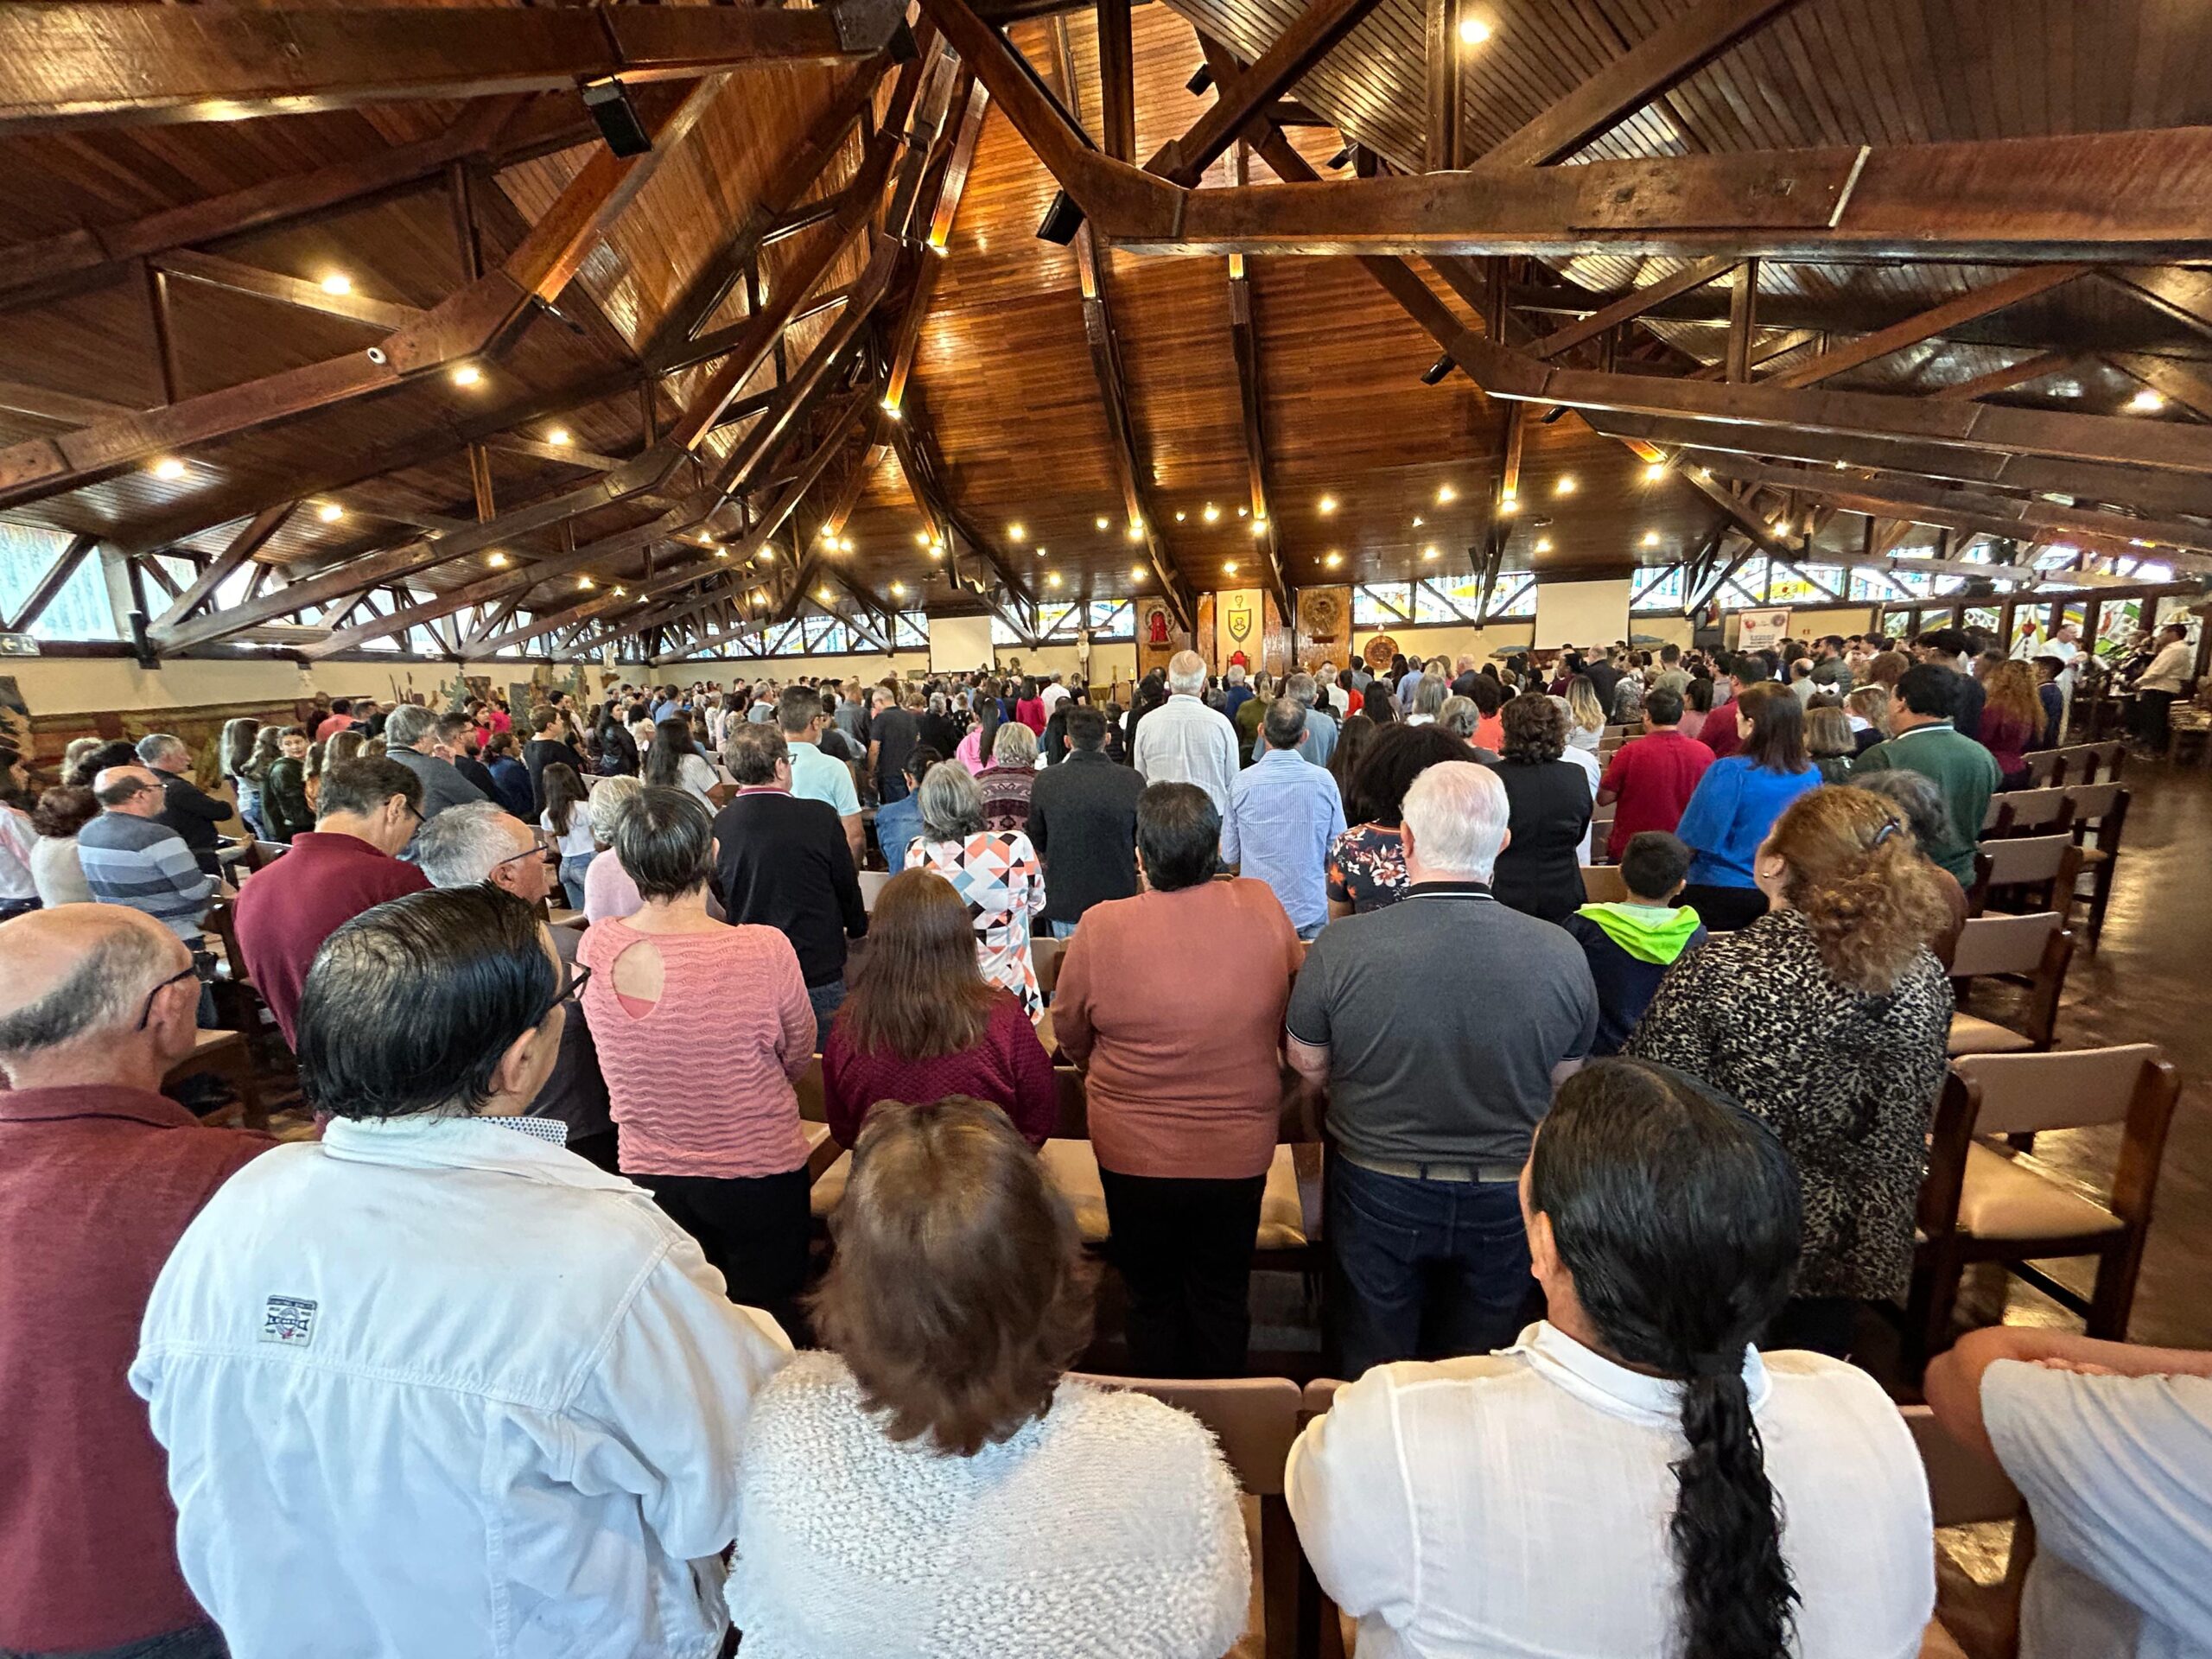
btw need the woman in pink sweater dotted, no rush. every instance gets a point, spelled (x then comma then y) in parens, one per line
(701, 1028)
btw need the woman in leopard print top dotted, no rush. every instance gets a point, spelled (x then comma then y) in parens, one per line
(1827, 1017)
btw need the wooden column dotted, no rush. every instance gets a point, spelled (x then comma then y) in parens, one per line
(1743, 319)
(1445, 148)
(1116, 81)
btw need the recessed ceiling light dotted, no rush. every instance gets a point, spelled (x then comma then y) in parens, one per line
(1428, 552)
(1105, 522)
(935, 552)
(898, 590)
(892, 409)
(1016, 532)
(338, 283)
(1328, 504)
(849, 545)
(1655, 471)
(1508, 502)
(1445, 495)
(1566, 484)
(1241, 511)
(583, 582)
(1210, 512)
(1259, 526)
(2146, 402)
(1136, 573)
(1040, 552)
(1333, 559)
(168, 467)
(1543, 543)
(1135, 531)
(1229, 568)
(822, 594)
(497, 561)
(1179, 515)
(766, 556)
(1473, 31)
(921, 538)
(558, 437)
(1051, 578)
(330, 512)
(468, 375)
(1651, 538)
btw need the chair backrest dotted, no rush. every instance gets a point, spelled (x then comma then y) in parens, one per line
(2025, 1094)
(1075, 1105)
(2028, 858)
(872, 885)
(2019, 810)
(1254, 1418)
(1602, 884)
(1044, 952)
(1963, 1486)
(2093, 803)
(808, 1084)
(1320, 1395)
(2042, 767)
(2004, 944)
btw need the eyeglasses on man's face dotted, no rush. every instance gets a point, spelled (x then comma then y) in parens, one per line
(190, 970)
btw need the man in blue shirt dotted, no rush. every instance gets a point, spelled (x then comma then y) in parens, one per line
(1283, 815)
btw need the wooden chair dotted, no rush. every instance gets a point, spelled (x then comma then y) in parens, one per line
(1601, 829)
(1044, 951)
(2099, 809)
(2035, 949)
(2081, 763)
(1602, 884)
(872, 885)
(2042, 767)
(561, 916)
(226, 1054)
(2034, 873)
(1964, 1490)
(1254, 1420)
(1981, 1202)
(2026, 811)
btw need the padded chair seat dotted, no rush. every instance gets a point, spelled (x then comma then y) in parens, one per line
(1936, 1642)
(2006, 1198)
(1971, 1034)
(829, 1186)
(1073, 1168)
(2094, 855)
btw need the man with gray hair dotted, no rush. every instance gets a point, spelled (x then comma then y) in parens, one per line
(186, 808)
(1183, 742)
(130, 857)
(1434, 1102)
(411, 737)
(102, 1176)
(1320, 728)
(1283, 815)
(477, 843)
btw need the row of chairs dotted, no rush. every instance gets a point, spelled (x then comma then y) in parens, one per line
(2078, 763)
(1257, 1420)
(2093, 816)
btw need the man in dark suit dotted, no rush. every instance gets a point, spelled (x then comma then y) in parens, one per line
(186, 808)
(1083, 820)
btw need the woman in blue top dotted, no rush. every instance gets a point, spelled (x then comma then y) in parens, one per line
(1736, 801)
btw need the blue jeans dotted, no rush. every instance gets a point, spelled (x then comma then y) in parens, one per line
(827, 999)
(1064, 930)
(572, 877)
(1421, 1269)
(193, 1641)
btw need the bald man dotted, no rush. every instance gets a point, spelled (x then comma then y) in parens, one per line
(100, 1176)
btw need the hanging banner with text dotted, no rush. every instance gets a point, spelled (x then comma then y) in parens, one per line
(1761, 630)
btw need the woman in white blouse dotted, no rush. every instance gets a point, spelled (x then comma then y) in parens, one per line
(935, 1482)
(674, 762)
(1631, 1480)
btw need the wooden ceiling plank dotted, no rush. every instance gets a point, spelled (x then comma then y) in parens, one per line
(78, 65)
(19, 398)
(1632, 306)
(1936, 320)
(1311, 36)
(230, 274)
(2026, 371)
(242, 546)
(565, 455)
(49, 585)
(1663, 59)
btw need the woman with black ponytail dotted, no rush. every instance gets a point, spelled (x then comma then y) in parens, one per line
(1632, 1479)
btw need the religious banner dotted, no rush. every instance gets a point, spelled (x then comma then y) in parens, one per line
(1240, 624)
(1157, 637)
(1761, 630)
(1324, 632)
(1380, 650)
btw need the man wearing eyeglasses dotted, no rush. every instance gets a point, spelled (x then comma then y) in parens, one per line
(130, 857)
(100, 1176)
(366, 812)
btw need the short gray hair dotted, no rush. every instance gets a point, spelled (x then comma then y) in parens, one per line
(1457, 813)
(951, 803)
(609, 800)
(408, 725)
(460, 845)
(1428, 695)
(1459, 717)
(1235, 675)
(102, 994)
(1014, 746)
(1187, 672)
(157, 745)
(1302, 686)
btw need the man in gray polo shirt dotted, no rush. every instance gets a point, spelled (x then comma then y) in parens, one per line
(1435, 1092)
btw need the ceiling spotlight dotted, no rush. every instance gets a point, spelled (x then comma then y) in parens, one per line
(1328, 504)
(1104, 522)
(822, 594)
(849, 545)
(1259, 526)
(168, 467)
(723, 552)
(621, 592)
(2146, 401)
(1016, 532)
(1243, 512)
(1543, 543)
(330, 512)
(1333, 559)
(1135, 531)
(498, 561)
(468, 375)
(766, 556)
(1566, 484)
(558, 437)
(1445, 495)
(1229, 568)
(921, 538)
(1051, 578)
(898, 590)
(1337, 162)
(1473, 31)
(338, 283)
(1210, 512)
(584, 582)
(1651, 538)
(1428, 553)
(1136, 573)
(892, 409)
(1654, 472)
(1704, 471)
(759, 595)
(1040, 552)
(1179, 515)
(1434, 374)
(935, 552)
(1508, 502)
(1417, 521)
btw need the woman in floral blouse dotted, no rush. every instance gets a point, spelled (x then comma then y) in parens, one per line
(1827, 1017)
(1366, 862)
(995, 872)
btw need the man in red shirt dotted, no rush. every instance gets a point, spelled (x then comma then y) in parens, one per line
(1720, 732)
(100, 1176)
(1652, 778)
(340, 719)
(368, 809)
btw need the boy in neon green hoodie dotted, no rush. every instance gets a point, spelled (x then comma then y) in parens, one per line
(1631, 946)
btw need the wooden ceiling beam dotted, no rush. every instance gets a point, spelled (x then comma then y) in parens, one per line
(1632, 305)
(84, 65)
(1662, 60)
(1927, 325)
(1245, 343)
(242, 546)
(1310, 37)
(1117, 95)
(229, 274)
(1446, 128)
(480, 319)
(2026, 371)
(563, 454)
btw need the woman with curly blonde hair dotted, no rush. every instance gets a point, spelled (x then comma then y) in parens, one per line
(2012, 719)
(1827, 1017)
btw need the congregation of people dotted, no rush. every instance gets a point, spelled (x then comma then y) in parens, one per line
(535, 1347)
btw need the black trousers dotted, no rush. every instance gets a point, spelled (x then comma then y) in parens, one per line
(1724, 910)
(1184, 1249)
(2154, 713)
(754, 1228)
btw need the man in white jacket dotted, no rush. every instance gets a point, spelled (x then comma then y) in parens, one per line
(434, 1385)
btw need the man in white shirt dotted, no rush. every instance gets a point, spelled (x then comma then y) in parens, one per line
(817, 776)
(2166, 678)
(1052, 695)
(2112, 1446)
(1513, 1502)
(496, 1397)
(1183, 742)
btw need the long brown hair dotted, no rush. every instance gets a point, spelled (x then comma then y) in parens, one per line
(957, 1291)
(919, 991)
(1856, 874)
(1776, 739)
(2011, 689)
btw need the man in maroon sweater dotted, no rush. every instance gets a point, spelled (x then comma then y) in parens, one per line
(100, 1176)
(1720, 732)
(366, 812)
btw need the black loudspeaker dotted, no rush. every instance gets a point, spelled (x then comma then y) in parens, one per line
(1201, 79)
(1434, 373)
(1061, 221)
(609, 101)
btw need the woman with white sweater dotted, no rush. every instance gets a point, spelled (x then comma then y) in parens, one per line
(936, 1483)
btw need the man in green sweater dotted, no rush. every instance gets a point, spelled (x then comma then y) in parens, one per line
(1922, 740)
